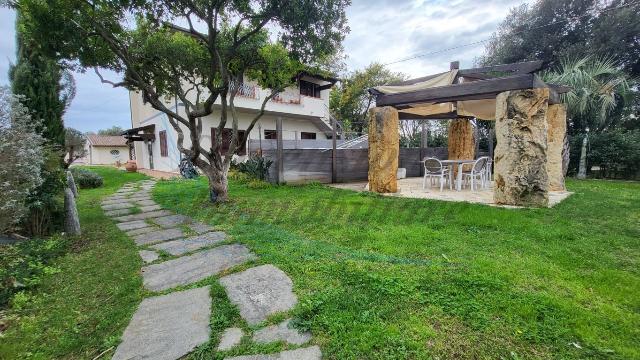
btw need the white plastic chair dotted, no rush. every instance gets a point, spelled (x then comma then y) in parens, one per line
(478, 173)
(433, 169)
(489, 168)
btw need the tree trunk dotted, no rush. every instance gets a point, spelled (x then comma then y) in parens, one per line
(582, 168)
(218, 185)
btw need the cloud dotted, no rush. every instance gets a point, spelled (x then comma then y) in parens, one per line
(386, 31)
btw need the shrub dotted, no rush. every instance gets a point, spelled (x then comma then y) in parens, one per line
(21, 151)
(256, 166)
(86, 179)
(238, 176)
(616, 152)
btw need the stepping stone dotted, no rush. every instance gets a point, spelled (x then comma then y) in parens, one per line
(192, 268)
(118, 212)
(148, 256)
(200, 228)
(167, 327)
(142, 216)
(141, 231)
(281, 332)
(131, 225)
(157, 236)
(172, 220)
(150, 208)
(260, 292)
(116, 206)
(230, 338)
(182, 246)
(145, 202)
(111, 202)
(309, 353)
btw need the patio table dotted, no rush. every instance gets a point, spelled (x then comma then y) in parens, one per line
(460, 162)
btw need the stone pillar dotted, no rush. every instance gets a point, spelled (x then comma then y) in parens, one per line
(520, 159)
(384, 149)
(556, 133)
(461, 143)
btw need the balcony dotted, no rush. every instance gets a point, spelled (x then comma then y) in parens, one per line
(287, 98)
(248, 91)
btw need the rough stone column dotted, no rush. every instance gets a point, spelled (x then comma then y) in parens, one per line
(384, 149)
(461, 143)
(556, 133)
(520, 165)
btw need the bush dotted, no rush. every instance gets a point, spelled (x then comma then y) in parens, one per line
(23, 265)
(616, 152)
(86, 179)
(256, 166)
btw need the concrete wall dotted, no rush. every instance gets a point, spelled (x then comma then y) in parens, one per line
(101, 155)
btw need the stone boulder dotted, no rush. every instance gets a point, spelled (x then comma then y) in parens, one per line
(556, 135)
(520, 164)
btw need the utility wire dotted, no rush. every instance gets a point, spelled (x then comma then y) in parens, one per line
(513, 33)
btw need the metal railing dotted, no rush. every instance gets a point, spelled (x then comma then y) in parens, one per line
(248, 91)
(288, 98)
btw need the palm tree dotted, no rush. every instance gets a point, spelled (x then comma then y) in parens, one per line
(598, 87)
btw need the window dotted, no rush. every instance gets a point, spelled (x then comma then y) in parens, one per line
(309, 89)
(226, 140)
(307, 135)
(164, 152)
(270, 134)
(115, 152)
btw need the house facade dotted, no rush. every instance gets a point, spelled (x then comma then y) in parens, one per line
(106, 150)
(304, 110)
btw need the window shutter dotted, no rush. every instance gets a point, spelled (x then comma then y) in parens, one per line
(164, 152)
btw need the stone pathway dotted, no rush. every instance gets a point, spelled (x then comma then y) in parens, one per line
(178, 252)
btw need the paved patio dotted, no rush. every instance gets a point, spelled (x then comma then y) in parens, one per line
(412, 188)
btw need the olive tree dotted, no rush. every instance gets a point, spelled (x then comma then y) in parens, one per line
(74, 146)
(195, 50)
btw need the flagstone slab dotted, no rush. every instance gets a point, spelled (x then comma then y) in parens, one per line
(118, 212)
(142, 216)
(150, 208)
(157, 236)
(230, 338)
(192, 268)
(309, 353)
(260, 292)
(140, 231)
(167, 327)
(144, 202)
(117, 201)
(201, 228)
(183, 246)
(281, 332)
(116, 206)
(172, 220)
(148, 256)
(131, 225)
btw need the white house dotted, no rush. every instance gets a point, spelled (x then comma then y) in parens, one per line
(106, 150)
(304, 110)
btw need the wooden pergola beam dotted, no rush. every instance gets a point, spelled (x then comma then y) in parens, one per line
(476, 90)
(526, 67)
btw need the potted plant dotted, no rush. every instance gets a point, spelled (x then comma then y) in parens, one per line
(131, 166)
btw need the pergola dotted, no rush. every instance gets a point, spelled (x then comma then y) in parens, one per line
(530, 126)
(145, 134)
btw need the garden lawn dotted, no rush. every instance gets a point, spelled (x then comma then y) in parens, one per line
(394, 278)
(83, 305)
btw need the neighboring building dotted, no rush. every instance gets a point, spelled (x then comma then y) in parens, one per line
(106, 150)
(304, 110)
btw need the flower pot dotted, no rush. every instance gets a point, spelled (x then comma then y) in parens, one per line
(131, 166)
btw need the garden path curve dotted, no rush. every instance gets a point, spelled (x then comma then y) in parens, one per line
(179, 252)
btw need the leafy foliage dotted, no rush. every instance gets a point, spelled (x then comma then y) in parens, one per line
(21, 148)
(256, 166)
(112, 131)
(74, 145)
(86, 179)
(350, 100)
(616, 152)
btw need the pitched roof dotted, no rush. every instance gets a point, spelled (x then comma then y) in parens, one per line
(105, 140)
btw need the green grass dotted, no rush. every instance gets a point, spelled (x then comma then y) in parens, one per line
(395, 278)
(82, 307)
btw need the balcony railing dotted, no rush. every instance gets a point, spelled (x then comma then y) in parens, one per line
(287, 98)
(248, 91)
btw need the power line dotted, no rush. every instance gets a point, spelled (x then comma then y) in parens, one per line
(513, 33)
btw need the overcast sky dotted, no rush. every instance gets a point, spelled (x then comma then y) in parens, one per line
(381, 30)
